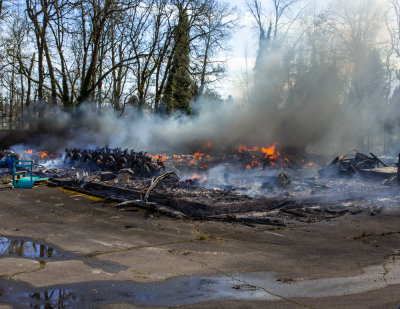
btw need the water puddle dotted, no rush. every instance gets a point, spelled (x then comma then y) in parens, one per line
(175, 292)
(182, 291)
(14, 247)
(50, 299)
(26, 249)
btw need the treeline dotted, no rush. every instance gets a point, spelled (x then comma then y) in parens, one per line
(334, 66)
(155, 55)
(331, 68)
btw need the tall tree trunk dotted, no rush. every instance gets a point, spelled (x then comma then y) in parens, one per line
(22, 99)
(28, 92)
(40, 69)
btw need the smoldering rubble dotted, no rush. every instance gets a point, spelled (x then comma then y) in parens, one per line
(351, 184)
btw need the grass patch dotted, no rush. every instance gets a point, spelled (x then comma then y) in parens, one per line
(203, 237)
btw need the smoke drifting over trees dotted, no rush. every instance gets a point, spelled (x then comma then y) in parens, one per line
(326, 79)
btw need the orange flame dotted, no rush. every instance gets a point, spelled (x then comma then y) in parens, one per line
(28, 151)
(270, 151)
(253, 164)
(44, 154)
(198, 155)
(160, 157)
(199, 177)
(243, 148)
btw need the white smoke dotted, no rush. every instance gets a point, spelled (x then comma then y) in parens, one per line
(309, 118)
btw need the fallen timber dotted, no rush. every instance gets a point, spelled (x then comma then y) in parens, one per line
(236, 211)
(128, 204)
(379, 172)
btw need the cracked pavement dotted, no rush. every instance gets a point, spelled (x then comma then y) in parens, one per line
(108, 258)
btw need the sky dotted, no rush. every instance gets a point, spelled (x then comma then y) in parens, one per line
(241, 54)
(244, 46)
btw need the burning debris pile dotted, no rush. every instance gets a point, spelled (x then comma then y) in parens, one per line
(250, 184)
(254, 158)
(40, 156)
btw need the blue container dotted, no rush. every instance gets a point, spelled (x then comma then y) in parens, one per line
(8, 161)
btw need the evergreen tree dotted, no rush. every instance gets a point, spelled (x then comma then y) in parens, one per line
(178, 89)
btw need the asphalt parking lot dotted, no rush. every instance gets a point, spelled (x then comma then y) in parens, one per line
(63, 249)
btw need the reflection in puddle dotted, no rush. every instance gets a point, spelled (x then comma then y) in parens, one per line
(53, 299)
(184, 291)
(27, 249)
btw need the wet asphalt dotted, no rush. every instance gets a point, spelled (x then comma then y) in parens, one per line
(63, 249)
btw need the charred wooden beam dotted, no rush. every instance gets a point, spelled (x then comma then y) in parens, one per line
(380, 173)
(378, 160)
(203, 208)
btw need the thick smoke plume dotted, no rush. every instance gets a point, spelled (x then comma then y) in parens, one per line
(309, 117)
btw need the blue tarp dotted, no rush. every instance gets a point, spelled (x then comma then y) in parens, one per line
(27, 182)
(7, 161)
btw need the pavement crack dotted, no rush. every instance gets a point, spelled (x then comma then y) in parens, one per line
(94, 254)
(232, 277)
(385, 266)
(42, 265)
(386, 272)
(364, 237)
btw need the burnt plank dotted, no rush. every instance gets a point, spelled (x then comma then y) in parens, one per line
(378, 160)
(380, 173)
(250, 205)
(195, 208)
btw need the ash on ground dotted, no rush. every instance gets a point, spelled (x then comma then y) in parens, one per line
(227, 189)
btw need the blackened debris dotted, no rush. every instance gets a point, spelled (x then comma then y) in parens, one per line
(350, 164)
(108, 159)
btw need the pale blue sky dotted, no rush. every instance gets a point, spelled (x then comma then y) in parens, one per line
(244, 45)
(243, 48)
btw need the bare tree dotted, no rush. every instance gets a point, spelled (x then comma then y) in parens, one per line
(214, 30)
(273, 21)
(99, 14)
(39, 13)
(1, 8)
(59, 26)
(4, 9)
(144, 36)
(108, 51)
